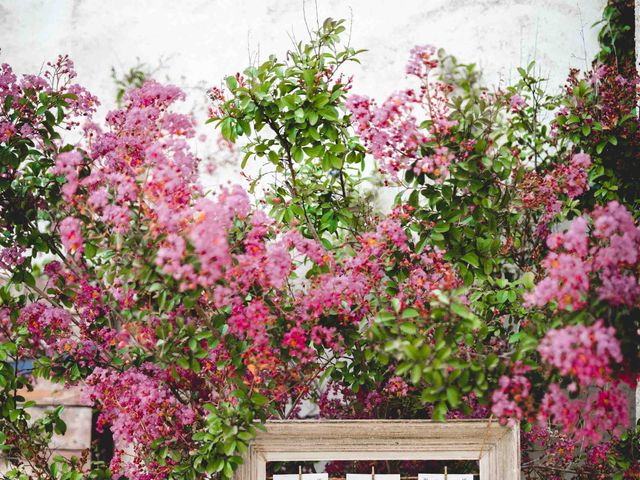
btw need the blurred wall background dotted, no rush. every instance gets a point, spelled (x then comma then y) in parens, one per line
(201, 41)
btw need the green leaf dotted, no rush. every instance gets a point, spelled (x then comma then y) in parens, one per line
(528, 280)
(416, 374)
(410, 313)
(385, 317)
(232, 83)
(472, 259)
(453, 396)
(89, 250)
(408, 328)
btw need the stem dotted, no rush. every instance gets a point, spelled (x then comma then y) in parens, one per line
(289, 162)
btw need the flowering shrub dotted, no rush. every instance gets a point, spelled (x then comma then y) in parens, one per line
(504, 281)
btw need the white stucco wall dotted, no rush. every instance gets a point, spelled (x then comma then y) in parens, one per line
(203, 40)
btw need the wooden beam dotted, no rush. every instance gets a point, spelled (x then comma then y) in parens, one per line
(495, 447)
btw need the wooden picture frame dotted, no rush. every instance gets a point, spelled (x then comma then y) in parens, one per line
(495, 447)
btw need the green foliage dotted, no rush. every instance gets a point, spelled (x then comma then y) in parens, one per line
(292, 113)
(617, 36)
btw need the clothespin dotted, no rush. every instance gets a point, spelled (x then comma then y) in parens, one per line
(446, 474)
(299, 472)
(373, 472)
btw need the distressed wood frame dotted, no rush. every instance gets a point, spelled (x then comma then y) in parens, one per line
(495, 447)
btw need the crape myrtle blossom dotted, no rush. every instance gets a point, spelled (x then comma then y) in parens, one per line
(71, 236)
(601, 263)
(594, 260)
(546, 191)
(592, 405)
(599, 413)
(392, 132)
(11, 256)
(583, 352)
(139, 409)
(511, 402)
(517, 103)
(23, 94)
(618, 257)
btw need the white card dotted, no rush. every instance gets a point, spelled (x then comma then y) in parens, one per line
(367, 476)
(450, 476)
(305, 476)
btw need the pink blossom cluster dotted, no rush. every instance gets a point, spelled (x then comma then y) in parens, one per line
(11, 257)
(392, 132)
(583, 352)
(68, 164)
(422, 60)
(49, 327)
(139, 408)
(586, 354)
(23, 94)
(571, 178)
(71, 236)
(517, 103)
(590, 417)
(436, 165)
(607, 258)
(567, 281)
(617, 257)
(396, 387)
(545, 191)
(508, 399)
(144, 154)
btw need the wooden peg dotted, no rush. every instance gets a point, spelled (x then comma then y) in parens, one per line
(299, 472)
(446, 473)
(373, 472)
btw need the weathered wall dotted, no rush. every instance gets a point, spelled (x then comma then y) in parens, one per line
(202, 40)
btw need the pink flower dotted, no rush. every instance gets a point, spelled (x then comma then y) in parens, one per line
(608, 259)
(118, 217)
(68, 164)
(390, 132)
(99, 198)
(7, 130)
(422, 60)
(567, 282)
(8, 85)
(48, 326)
(517, 102)
(585, 352)
(277, 266)
(11, 257)
(397, 387)
(71, 236)
(508, 399)
(140, 408)
(618, 258)
(84, 103)
(589, 418)
(436, 165)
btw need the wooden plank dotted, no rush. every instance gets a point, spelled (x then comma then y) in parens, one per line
(496, 447)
